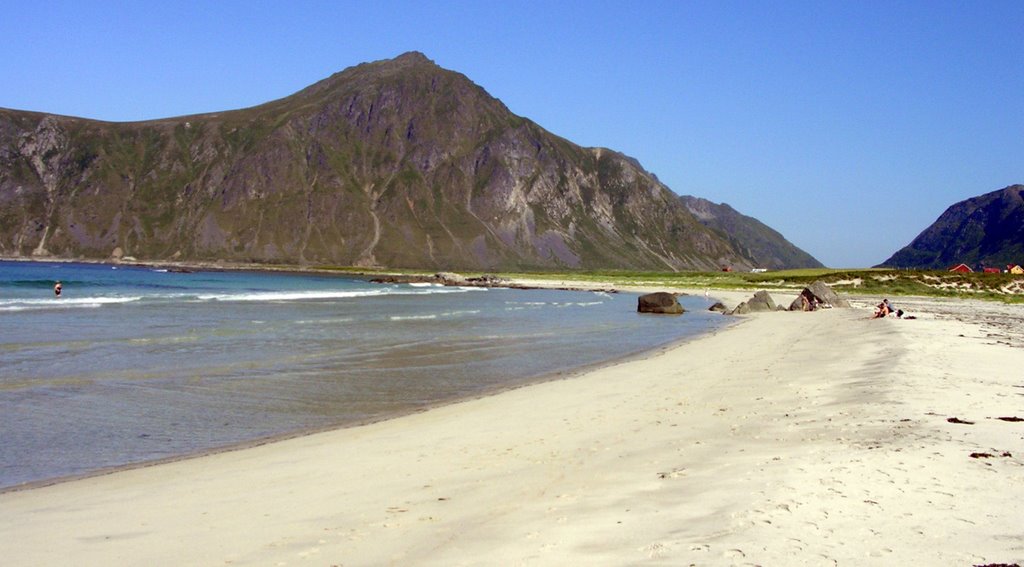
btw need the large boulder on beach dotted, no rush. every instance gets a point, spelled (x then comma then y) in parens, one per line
(827, 295)
(741, 309)
(817, 296)
(761, 301)
(659, 302)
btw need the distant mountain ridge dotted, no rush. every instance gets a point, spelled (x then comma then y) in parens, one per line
(987, 230)
(396, 163)
(749, 235)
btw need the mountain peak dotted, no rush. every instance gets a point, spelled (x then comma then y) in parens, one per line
(397, 163)
(412, 57)
(987, 229)
(766, 247)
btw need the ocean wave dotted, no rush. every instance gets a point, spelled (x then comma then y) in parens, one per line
(519, 305)
(62, 303)
(44, 283)
(287, 295)
(445, 315)
(49, 302)
(326, 321)
(307, 295)
(411, 317)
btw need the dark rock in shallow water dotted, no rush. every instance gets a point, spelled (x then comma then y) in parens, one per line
(659, 302)
(718, 307)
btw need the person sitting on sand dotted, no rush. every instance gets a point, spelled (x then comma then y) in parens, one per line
(892, 309)
(882, 310)
(57, 289)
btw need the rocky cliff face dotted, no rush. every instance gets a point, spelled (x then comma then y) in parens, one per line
(754, 239)
(985, 230)
(396, 163)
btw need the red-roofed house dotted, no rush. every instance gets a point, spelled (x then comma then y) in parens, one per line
(993, 271)
(1014, 269)
(962, 268)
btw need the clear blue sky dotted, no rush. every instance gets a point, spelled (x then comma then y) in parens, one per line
(847, 126)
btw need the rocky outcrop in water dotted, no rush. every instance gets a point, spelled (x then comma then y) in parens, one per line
(659, 302)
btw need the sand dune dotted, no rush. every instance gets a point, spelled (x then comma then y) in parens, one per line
(788, 438)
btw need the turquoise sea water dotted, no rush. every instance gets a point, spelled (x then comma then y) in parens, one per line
(132, 364)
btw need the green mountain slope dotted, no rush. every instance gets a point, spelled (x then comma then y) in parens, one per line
(754, 239)
(987, 230)
(396, 163)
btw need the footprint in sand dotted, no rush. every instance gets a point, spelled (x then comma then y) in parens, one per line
(733, 554)
(655, 550)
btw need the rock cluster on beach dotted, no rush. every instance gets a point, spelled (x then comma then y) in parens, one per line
(447, 278)
(485, 280)
(816, 296)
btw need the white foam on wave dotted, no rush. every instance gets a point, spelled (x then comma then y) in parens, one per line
(288, 295)
(307, 295)
(411, 317)
(520, 305)
(25, 304)
(62, 303)
(431, 316)
(325, 321)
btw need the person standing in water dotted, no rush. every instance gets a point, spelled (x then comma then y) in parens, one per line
(57, 288)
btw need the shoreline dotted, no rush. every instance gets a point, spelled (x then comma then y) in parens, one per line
(552, 376)
(813, 438)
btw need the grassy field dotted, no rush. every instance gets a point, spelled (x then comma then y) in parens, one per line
(872, 282)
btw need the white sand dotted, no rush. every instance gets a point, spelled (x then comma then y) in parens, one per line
(790, 438)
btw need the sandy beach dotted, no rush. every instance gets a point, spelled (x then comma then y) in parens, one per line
(822, 438)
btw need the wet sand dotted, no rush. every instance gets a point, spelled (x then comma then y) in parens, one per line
(789, 438)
